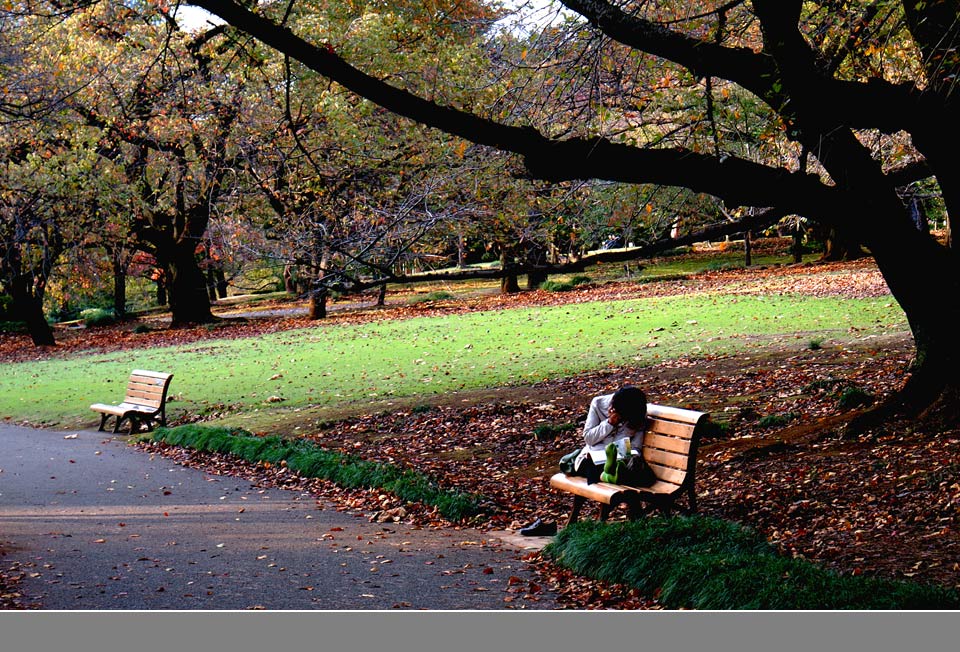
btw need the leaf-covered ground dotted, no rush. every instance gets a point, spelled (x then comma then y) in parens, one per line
(884, 503)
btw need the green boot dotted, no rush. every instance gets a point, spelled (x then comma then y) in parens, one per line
(611, 470)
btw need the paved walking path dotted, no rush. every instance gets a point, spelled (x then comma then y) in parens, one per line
(97, 524)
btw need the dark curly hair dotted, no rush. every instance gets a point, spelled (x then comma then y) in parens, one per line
(631, 403)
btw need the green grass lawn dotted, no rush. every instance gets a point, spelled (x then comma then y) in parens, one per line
(337, 365)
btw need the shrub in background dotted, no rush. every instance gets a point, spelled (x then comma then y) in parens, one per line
(853, 397)
(549, 431)
(437, 295)
(93, 317)
(772, 420)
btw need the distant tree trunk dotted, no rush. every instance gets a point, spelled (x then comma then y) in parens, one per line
(301, 283)
(537, 256)
(536, 278)
(318, 302)
(747, 249)
(841, 247)
(289, 282)
(319, 294)
(461, 251)
(26, 285)
(382, 295)
(211, 285)
(119, 284)
(216, 280)
(797, 245)
(919, 215)
(222, 285)
(119, 260)
(161, 289)
(509, 283)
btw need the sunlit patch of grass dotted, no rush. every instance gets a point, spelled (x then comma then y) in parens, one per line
(338, 365)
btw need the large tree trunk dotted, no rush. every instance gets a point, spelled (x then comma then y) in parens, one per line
(29, 308)
(904, 256)
(186, 288)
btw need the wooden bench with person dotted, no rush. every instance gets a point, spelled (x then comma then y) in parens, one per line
(144, 403)
(669, 447)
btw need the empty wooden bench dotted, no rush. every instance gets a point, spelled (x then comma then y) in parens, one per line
(669, 447)
(144, 403)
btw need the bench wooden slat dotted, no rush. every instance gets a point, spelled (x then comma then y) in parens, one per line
(604, 492)
(146, 390)
(143, 398)
(670, 428)
(599, 491)
(139, 407)
(133, 386)
(141, 379)
(669, 474)
(162, 376)
(665, 458)
(109, 409)
(674, 414)
(672, 444)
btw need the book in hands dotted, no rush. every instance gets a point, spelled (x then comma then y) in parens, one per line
(623, 450)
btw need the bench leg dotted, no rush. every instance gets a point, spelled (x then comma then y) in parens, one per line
(103, 421)
(636, 509)
(605, 511)
(578, 502)
(116, 426)
(692, 500)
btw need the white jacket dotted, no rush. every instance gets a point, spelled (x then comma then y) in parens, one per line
(597, 431)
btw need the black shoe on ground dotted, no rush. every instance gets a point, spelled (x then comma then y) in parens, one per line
(539, 529)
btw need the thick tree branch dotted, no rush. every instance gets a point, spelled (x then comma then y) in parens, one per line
(754, 71)
(738, 182)
(874, 104)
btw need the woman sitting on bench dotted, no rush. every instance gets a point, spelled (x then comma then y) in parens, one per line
(611, 417)
(621, 415)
